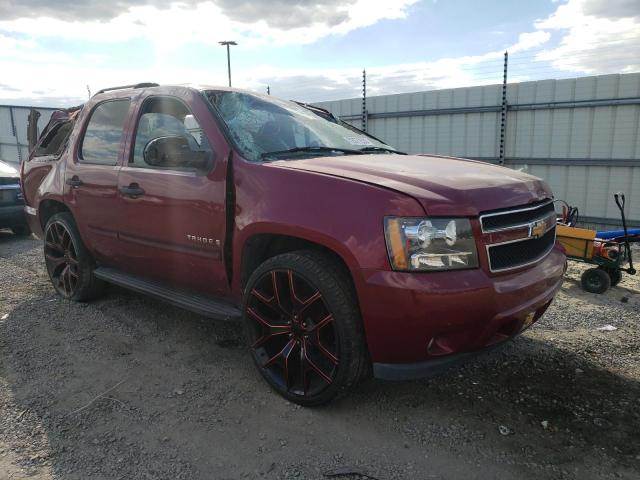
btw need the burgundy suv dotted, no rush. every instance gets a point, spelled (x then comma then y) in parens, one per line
(340, 254)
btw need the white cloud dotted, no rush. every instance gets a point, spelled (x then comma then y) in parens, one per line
(207, 22)
(598, 36)
(530, 40)
(168, 25)
(277, 14)
(10, 44)
(589, 36)
(330, 84)
(69, 76)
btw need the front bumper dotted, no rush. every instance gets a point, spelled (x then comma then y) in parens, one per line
(413, 319)
(428, 368)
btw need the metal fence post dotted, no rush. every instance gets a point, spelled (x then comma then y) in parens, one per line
(364, 100)
(503, 112)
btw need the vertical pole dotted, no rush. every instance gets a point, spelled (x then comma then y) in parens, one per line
(14, 130)
(364, 100)
(503, 112)
(268, 90)
(229, 64)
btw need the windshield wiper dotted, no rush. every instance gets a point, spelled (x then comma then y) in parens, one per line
(380, 149)
(317, 149)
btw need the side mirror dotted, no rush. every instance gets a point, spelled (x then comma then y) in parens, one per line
(175, 152)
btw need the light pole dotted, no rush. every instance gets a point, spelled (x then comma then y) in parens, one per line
(228, 43)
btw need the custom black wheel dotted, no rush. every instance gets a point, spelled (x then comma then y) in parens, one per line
(303, 327)
(22, 230)
(595, 280)
(69, 265)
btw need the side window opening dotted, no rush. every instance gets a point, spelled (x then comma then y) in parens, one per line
(103, 136)
(55, 141)
(169, 118)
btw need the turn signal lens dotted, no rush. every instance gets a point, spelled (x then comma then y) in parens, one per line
(395, 243)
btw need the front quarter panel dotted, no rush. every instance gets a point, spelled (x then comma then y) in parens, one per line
(343, 215)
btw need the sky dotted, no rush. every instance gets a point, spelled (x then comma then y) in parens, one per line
(55, 52)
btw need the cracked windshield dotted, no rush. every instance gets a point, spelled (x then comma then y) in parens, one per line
(266, 128)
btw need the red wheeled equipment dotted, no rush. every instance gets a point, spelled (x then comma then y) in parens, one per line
(609, 250)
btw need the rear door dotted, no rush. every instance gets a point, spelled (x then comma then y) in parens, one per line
(91, 178)
(172, 218)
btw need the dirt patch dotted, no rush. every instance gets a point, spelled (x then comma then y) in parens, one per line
(128, 387)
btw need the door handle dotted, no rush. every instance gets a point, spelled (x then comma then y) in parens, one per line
(134, 190)
(74, 181)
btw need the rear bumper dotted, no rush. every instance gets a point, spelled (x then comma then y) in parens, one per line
(12, 215)
(413, 319)
(33, 220)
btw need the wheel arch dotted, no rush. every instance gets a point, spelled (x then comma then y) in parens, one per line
(48, 208)
(259, 247)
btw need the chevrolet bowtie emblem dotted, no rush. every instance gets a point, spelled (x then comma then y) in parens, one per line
(537, 228)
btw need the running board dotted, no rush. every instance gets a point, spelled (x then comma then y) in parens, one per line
(219, 309)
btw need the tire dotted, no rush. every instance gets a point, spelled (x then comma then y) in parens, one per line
(69, 265)
(303, 327)
(22, 230)
(615, 275)
(595, 280)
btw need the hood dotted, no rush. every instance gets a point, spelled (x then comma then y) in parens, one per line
(7, 170)
(443, 185)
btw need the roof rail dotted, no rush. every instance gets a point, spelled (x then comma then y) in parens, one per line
(135, 85)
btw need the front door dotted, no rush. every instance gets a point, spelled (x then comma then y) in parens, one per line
(172, 219)
(91, 178)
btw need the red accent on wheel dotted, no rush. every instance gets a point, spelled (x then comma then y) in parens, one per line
(61, 258)
(290, 321)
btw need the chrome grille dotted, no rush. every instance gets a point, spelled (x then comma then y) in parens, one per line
(514, 218)
(520, 253)
(519, 236)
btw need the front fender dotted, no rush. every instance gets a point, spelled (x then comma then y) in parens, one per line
(301, 232)
(343, 215)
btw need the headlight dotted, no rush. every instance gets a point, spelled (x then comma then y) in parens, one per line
(424, 244)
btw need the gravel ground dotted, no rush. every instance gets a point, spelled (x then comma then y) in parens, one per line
(127, 387)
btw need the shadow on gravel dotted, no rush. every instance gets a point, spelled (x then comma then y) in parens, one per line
(529, 382)
(11, 244)
(572, 287)
(130, 387)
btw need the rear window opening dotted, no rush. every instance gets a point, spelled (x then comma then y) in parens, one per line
(55, 141)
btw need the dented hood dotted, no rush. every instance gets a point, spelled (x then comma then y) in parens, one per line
(443, 185)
